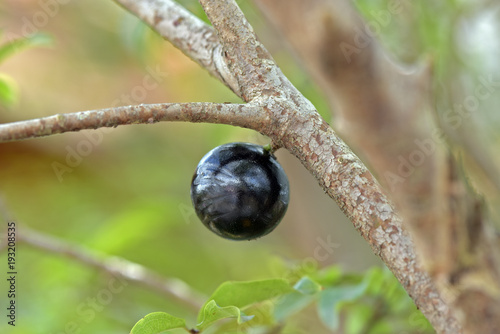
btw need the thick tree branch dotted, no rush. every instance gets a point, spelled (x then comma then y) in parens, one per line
(244, 115)
(170, 287)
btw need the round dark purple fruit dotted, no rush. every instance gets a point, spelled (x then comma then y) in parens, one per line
(240, 191)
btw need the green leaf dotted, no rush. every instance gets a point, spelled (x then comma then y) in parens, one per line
(157, 322)
(329, 276)
(357, 316)
(382, 327)
(241, 294)
(211, 312)
(8, 91)
(263, 318)
(307, 286)
(291, 303)
(306, 289)
(38, 39)
(328, 306)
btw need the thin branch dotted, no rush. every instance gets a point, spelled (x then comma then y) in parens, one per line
(244, 115)
(188, 33)
(170, 287)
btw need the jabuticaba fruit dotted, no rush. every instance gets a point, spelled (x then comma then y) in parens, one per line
(240, 191)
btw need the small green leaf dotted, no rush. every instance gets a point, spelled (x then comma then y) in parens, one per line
(328, 306)
(377, 279)
(263, 318)
(157, 322)
(211, 312)
(291, 303)
(305, 289)
(357, 316)
(307, 286)
(329, 276)
(382, 327)
(15, 45)
(241, 294)
(8, 91)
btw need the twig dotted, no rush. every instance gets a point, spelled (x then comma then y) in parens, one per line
(170, 287)
(248, 116)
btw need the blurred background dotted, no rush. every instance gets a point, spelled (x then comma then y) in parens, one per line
(128, 193)
(125, 192)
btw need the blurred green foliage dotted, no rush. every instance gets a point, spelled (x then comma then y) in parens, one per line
(8, 87)
(372, 302)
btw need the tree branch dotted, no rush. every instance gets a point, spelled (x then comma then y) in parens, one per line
(170, 287)
(244, 115)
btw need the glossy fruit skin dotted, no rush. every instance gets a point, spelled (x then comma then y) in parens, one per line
(240, 191)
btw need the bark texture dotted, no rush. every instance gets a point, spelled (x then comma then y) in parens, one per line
(242, 115)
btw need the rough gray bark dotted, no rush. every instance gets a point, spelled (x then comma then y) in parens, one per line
(243, 115)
